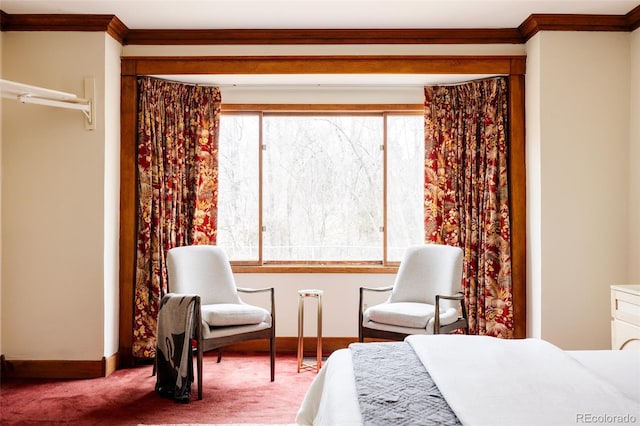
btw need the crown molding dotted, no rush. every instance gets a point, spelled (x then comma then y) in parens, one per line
(117, 29)
(324, 36)
(633, 19)
(556, 22)
(112, 25)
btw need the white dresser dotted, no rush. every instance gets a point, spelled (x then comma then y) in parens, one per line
(625, 316)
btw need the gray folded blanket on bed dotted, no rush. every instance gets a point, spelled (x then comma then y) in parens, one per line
(395, 389)
(174, 353)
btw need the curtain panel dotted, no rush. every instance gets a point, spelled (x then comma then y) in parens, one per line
(466, 193)
(177, 188)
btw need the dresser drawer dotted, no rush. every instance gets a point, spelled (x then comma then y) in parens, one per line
(625, 303)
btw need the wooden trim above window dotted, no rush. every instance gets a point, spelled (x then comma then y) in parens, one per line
(344, 64)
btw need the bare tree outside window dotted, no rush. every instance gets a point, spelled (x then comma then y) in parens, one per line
(238, 185)
(322, 188)
(405, 183)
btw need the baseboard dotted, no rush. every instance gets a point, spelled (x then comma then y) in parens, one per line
(289, 345)
(72, 369)
(58, 369)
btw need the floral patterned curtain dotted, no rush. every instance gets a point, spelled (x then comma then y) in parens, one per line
(177, 188)
(467, 196)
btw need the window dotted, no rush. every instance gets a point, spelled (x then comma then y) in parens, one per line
(311, 187)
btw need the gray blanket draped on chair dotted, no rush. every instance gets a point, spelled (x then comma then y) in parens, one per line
(174, 352)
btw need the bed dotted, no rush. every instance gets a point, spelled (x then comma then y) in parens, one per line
(482, 381)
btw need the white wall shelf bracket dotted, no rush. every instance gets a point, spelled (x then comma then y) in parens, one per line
(40, 96)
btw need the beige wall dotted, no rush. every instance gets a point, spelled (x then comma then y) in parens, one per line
(634, 163)
(533, 172)
(579, 137)
(111, 184)
(53, 200)
(340, 300)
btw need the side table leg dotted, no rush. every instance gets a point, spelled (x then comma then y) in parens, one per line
(300, 330)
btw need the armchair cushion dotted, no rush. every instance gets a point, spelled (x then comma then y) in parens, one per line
(203, 270)
(428, 270)
(226, 314)
(402, 314)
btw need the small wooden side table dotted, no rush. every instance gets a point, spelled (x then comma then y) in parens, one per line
(302, 294)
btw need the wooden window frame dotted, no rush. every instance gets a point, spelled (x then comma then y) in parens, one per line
(292, 110)
(132, 67)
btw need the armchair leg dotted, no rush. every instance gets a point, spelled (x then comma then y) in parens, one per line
(219, 355)
(199, 373)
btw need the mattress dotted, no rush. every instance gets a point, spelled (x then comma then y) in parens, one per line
(523, 381)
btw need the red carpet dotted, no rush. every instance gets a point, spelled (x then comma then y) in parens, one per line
(237, 390)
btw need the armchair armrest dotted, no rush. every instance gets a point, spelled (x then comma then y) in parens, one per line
(378, 289)
(263, 290)
(458, 296)
(372, 289)
(361, 304)
(254, 290)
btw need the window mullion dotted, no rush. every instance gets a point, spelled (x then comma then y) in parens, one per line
(384, 188)
(260, 185)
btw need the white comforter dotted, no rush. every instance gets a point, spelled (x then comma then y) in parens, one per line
(489, 381)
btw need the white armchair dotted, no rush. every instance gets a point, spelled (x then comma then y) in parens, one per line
(205, 270)
(424, 297)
